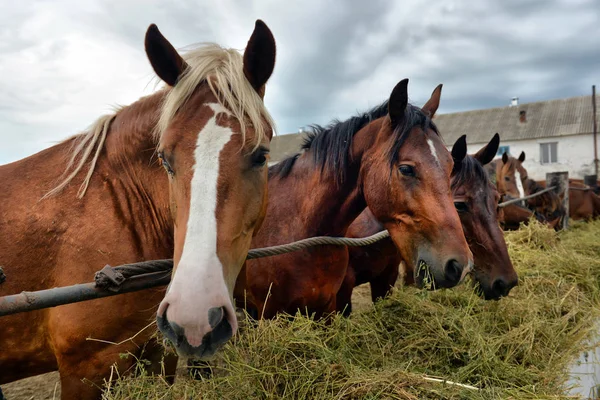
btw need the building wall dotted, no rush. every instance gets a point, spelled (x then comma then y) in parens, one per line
(575, 154)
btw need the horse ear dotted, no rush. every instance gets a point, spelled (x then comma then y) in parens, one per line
(434, 101)
(459, 152)
(259, 57)
(505, 157)
(398, 102)
(166, 62)
(522, 156)
(487, 153)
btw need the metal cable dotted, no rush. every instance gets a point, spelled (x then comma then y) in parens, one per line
(316, 241)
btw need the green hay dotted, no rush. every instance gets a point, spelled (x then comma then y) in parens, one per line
(518, 347)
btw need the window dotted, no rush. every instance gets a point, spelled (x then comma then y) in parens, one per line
(549, 153)
(502, 150)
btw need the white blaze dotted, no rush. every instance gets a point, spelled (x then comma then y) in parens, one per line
(199, 284)
(519, 183)
(433, 152)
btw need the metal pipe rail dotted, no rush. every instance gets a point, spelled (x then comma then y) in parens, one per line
(30, 301)
(512, 201)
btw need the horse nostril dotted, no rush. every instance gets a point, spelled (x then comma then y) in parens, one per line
(215, 316)
(171, 330)
(501, 287)
(453, 271)
(221, 328)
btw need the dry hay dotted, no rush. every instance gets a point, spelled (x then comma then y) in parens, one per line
(518, 347)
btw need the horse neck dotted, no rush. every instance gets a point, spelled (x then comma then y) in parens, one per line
(328, 207)
(353, 203)
(325, 207)
(138, 185)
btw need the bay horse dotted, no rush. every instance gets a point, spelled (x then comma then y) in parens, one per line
(513, 215)
(199, 201)
(476, 201)
(513, 181)
(390, 159)
(584, 204)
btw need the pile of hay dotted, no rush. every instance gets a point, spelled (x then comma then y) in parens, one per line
(518, 347)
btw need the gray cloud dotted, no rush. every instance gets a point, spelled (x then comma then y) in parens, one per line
(64, 63)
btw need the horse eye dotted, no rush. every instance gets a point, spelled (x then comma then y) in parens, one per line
(461, 206)
(407, 170)
(165, 164)
(259, 158)
(506, 178)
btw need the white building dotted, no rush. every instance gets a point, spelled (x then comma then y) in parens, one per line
(556, 135)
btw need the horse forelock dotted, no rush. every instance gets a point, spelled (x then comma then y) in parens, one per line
(470, 171)
(223, 71)
(413, 117)
(513, 165)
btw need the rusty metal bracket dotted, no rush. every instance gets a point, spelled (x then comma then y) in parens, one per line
(109, 278)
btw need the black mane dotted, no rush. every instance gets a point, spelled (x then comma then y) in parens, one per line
(283, 167)
(469, 168)
(330, 145)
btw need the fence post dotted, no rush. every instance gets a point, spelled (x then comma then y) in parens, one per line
(561, 181)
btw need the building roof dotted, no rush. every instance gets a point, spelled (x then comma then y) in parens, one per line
(283, 146)
(543, 119)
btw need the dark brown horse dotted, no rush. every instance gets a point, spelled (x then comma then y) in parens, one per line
(390, 159)
(513, 215)
(584, 204)
(476, 200)
(211, 132)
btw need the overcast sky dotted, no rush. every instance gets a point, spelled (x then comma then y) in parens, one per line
(65, 62)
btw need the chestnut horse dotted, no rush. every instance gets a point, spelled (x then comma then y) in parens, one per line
(390, 159)
(476, 201)
(513, 182)
(579, 182)
(211, 132)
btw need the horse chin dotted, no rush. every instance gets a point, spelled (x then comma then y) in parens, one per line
(425, 277)
(486, 293)
(483, 287)
(483, 290)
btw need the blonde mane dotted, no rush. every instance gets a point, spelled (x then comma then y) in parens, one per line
(83, 147)
(222, 69)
